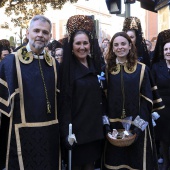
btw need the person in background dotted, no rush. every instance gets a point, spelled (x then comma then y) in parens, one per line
(157, 56)
(49, 47)
(149, 47)
(132, 97)
(132, 26)
(29, 135)
(4, 51)
(81, 95)
(104, 47)
(54, 46)
(158, 51)
(5, 42)
(4, 48)
(161, 74)
(59, 54)
(104, 44)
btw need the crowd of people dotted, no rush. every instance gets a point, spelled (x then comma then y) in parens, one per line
(75, 104)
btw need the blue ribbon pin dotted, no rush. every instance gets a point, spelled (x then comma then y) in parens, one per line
(101, 77)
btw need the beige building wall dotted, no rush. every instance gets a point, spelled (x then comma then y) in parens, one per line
(151, 19)
(163, 19)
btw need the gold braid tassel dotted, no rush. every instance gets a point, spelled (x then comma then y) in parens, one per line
(45, 89)
(123, 94)
(48, 107)
(123, 114)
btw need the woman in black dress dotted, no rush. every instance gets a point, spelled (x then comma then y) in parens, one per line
(161, 74)
(81, 93)
(129, 94)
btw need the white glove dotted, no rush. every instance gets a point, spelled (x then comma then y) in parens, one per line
(72, 139)
(155, 115)
(140, 123)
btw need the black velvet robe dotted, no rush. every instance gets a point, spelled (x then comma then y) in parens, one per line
(33, 134)
(138, 101)
(162, 79)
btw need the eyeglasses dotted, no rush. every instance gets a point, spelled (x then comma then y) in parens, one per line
(58, 55)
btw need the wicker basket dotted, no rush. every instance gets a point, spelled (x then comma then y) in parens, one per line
(122, 142)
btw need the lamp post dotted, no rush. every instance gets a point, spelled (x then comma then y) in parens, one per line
(127, 10)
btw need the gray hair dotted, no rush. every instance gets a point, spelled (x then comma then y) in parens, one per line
(41, 18)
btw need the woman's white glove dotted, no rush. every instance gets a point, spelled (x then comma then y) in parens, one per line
(155, 116)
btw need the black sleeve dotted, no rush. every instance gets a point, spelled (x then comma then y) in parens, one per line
(3, 139)
(64, 108)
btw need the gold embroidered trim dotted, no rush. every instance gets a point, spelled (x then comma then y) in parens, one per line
(18, 141)
(7, 102)
(19, 77)
(24, 56)
(120, 120)
(158, 108)
(9, 141)
(45, 88)
(58, 91)
(132, 70)
(129, 71)
(157, 100)
(119, 167)
(27, 57)
(3, 82)
(146, 98)
(141, 75)
(55, 73)
(48, 58)
(12, 106)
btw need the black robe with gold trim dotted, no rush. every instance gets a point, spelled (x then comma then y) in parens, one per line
(162, 78)
(33, 135)
(138, 101)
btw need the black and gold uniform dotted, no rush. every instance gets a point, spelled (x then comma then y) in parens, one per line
(139, 100)
(28, 99)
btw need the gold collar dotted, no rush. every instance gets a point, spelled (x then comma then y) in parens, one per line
(27, 57)
(129, 71)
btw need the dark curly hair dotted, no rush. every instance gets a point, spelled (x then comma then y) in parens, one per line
(111, 57)
(3, 49)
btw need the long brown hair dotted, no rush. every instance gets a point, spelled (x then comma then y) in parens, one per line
(111, 57)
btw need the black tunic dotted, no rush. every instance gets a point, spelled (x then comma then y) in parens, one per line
(162, 79)
(138, 101)
(84, 111)
(33, 136)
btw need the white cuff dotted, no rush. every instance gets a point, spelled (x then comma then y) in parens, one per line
(105, 120)
(155, 115)
(140, 123)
